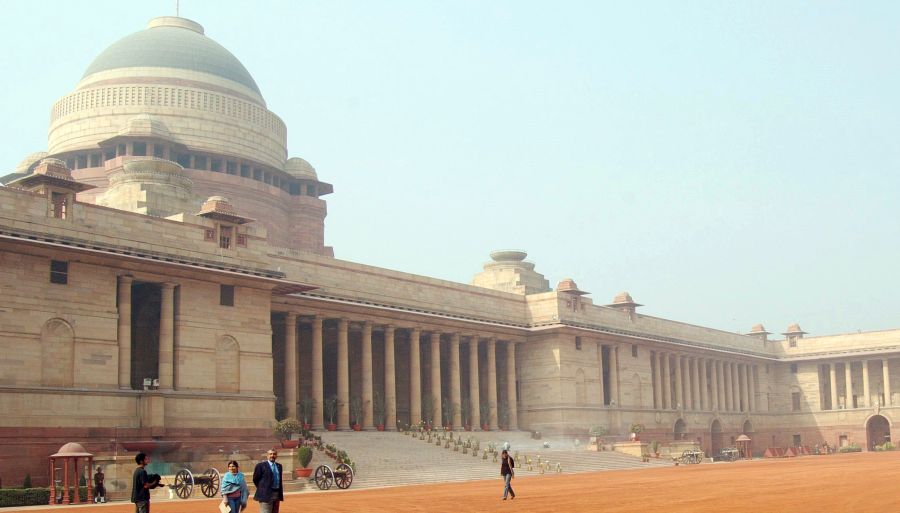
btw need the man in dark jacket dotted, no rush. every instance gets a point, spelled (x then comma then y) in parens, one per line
(142, 483)
(267, 477)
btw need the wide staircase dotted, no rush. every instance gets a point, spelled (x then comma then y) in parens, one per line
(392, 459)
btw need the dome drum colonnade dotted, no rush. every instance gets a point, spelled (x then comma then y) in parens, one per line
(419, 342)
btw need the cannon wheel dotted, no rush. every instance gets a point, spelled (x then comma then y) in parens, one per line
(209, 484)
(184, 483)
(324, 477)
(343, 476)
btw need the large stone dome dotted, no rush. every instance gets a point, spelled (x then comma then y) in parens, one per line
(170, 42)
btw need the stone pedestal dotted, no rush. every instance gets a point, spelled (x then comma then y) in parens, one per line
(636, 449)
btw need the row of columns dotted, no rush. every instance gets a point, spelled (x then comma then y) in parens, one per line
(848, 384)
(415, 381)
(703, 384)
(166, 334)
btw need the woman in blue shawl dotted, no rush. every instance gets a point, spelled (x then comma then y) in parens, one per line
(234, 488)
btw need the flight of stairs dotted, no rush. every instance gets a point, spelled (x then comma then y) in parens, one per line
(393, 459)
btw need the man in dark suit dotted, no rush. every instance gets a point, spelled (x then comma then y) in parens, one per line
(267, 477)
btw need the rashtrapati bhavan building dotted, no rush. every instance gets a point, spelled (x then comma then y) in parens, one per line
(164, 276)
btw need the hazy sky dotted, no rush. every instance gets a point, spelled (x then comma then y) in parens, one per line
(726, 163)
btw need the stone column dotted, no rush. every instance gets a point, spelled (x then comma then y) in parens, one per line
(667, 382)
(679, 384)
(657, 382)
(752, 380)
(318, 387)
(167, 336)
(704, 386)
(600, 365)
(290, 364)
(735, 387)
(455, 386)
(124, 331)
(614, 375)
(436, 378)
(714, 389)
(745, 387)
(492, 381)
(848, 387)
(726, 374)
(688, 388)
(415, 378)
(832, 379)
(343, 374)
(474, 393)
(511, 386)
(886, 376)
(695, 382)
(367, 396)
(390, 380)
(867, 397)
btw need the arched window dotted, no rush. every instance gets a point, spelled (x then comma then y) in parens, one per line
(580, 388)
(57, 353)
(228, 366)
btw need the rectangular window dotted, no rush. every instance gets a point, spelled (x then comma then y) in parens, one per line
(209, 235)
(578, 343)
(95, 160)
(797, 441)
(795, 401)
(58, 204)
(110, 154)
(231, 167)
(242, 240)
(245, 170)
(199, 162)
(793, 368)
(311, 191)
(226, 295)
(184, 160)
(792, 341)
(59, 272)
(139, 149)
(159, 151)
(215, 165)
(120, 150)
(82, 161)
(634, 351)
(225, 237)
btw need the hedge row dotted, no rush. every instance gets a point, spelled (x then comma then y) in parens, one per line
(10, 497)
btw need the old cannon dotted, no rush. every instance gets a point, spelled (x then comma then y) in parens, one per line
(185, 481)
(342, 476)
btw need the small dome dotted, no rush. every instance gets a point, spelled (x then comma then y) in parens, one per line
(219, 204)
(568, 285)
(758, 328)
(508, 255)
(300, 168)
(30, 159)
(623, 297)
(794, 328)
(71, 449)
(145, 125)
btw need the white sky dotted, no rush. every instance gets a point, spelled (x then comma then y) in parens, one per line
(726, 163)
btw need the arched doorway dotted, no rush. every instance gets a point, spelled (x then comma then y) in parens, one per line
(748, 427)
(715, 437)
(680, 430)
(878, 431)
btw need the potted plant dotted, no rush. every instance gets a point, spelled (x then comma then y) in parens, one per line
(636, 429)
(305, 410)
(301, 467)
(503, 414)
(428, 411)
(449, 410)
(465, 411)
(654, 445)
(332, 404)
(356, 412)
(378, 410)
(284, 428)
(598, 432)
(485, 410)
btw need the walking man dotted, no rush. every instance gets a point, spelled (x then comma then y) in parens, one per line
(142, 483)
(267, 478)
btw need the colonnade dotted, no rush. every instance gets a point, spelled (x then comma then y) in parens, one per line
(166, 333)
(848, 396)
(703, 384)
(417, 337)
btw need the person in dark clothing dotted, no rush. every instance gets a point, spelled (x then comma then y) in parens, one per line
(99, 487)
(142, 483)
(507, 466)
(267, 478)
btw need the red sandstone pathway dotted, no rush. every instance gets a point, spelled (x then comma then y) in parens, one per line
(847, 483)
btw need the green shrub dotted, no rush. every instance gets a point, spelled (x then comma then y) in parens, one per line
(10, 497)
(26, 483)
(304, 455)
(850, 448)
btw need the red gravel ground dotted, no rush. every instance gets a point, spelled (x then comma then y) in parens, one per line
(846, 483)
